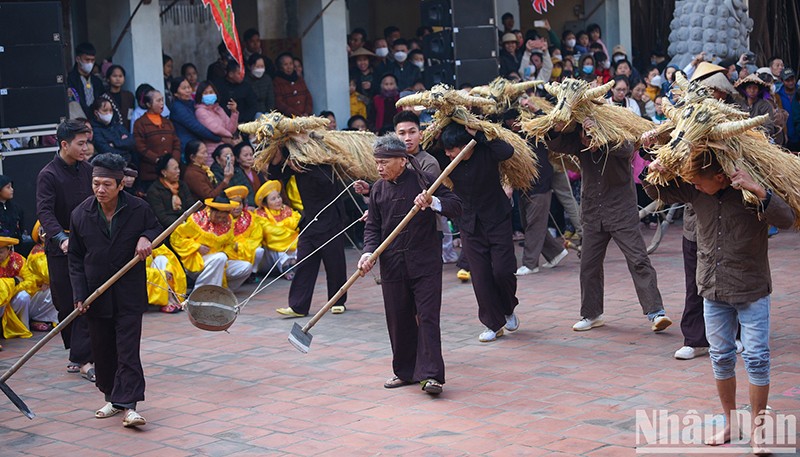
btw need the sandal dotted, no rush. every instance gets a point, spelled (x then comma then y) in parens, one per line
(133, 419)
(171, 308)
(89, 374)
(338, 309)
(394, 382)
(432, 386)
(73, 368)
(107, 411)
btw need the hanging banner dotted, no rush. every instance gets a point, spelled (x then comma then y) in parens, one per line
(540, 6)
(222, 10)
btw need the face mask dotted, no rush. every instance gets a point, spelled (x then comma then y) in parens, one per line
(390, 93)
(556, 72)
(419, 64)
(588, 69)
(381, 52)
(105, 118)
(87, 67)
(606, 64)
(400, 56)
(618, 57)
(571, 43)
(258, 72)
(653, 62)
(209, 99)
(556, 56)
(734, 76)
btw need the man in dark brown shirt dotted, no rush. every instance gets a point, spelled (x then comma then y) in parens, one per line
(411, 267)
(61, 186)
(609, 211)
(733, 275)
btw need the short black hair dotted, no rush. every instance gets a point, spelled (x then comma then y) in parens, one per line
(140, 93)
(185, 67)
(232, 66)
(98, 103)
(399, 41)
(622, 78)
(355, 118)
(161, 163)
(620, 62)
(114, 67)
(405, 116)
(596, 47)
(415, 52)
(250, 33)
(326, 113)
(600, 56)
(284, 54)
(198, 96)
(111, 161)
(390, 30)
(506, 15)
(255, 57)
(190, 150)
(422, 29)
(165, 58)
(238, 149)
(222, 50)
(592, 27)
(176, 83)
(455, 135)
(218, 150)
(85, 49)
(69, 129)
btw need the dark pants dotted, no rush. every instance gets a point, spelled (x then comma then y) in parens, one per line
(693, 325)
(538, 241)
(76, 334)
(492, 263)
(118, 367)
(305, 276)
(593, 253)
(413, 308)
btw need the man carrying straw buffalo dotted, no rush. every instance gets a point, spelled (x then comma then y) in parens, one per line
(106, 230)
(411, 267)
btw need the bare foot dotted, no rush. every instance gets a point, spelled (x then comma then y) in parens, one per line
(720, 438)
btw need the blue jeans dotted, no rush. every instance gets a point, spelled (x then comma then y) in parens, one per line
(721, 324)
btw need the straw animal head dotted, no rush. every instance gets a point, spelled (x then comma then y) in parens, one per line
(275, 126)
(503, 92)
(443, 98)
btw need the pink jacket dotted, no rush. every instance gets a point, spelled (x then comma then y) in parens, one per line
(213, 117)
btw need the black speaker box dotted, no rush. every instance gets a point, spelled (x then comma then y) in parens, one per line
(443, 73)
(32, 106)
(435, 13)
(476, 72)
(23, 169)
(30, 23)
(32, 65)
(475, 42)
(438, 45)
(470, 13)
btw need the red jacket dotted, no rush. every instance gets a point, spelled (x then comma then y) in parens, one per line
(153, 142)
(292, 98)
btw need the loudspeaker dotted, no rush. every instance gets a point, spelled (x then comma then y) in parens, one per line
(32, 106)
(438, 45)
(475, 42)
(32, 65)
(30, 23)
(476, 72)
(442, 73)
(435, 13)
(23, 170)
(470, 13)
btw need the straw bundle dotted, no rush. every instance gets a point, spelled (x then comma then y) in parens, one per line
(560, 161)
(451, 106)
(577, 101)
(505, 95)
(308, 143)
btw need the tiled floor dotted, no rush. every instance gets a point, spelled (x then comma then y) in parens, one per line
(542, 391)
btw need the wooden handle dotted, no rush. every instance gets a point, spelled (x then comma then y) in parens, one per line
(77, 312)
(410, 215)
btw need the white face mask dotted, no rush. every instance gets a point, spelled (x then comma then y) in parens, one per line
(619, 57)
(400, 56)
(606, 64)
(105, 118)
(86, 67)
(258, 72)
(571, 43)
(419, 63)
(381, 52)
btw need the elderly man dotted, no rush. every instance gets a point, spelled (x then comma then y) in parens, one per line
(61, 185)
(608, 209)
(105, 231)
(201, 242)
(411, 267)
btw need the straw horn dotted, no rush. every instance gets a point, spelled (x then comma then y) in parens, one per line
(680, 81)
(733, 128)
(250, 128)
(725, 108)
(553, 89)
(598, 91)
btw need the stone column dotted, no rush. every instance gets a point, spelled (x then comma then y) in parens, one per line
(140, 50)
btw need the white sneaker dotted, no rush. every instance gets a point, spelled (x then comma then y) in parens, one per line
(588, 324)
(739, 347)
(512, 323)
(660, 323)
(688, 353)
(489, 335)
(523, 270)
(556, 260)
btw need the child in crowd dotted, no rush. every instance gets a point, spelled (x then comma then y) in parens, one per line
(279, 222)
(358, 102)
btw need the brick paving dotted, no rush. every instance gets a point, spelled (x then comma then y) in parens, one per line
(542, 391)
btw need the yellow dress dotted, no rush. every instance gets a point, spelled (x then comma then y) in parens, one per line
(294, 194)
(198, 230)
(280, 228)
(34, 272)
(247, 236)
(9, 268)
(157, 285)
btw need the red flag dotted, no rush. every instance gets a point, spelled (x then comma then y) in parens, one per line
(540, 6)
(222, 10)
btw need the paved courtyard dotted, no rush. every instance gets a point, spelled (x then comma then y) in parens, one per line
(542, 391)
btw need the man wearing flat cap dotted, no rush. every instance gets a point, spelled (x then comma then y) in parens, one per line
(201, 243)
(106, 230)
(411, 267)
